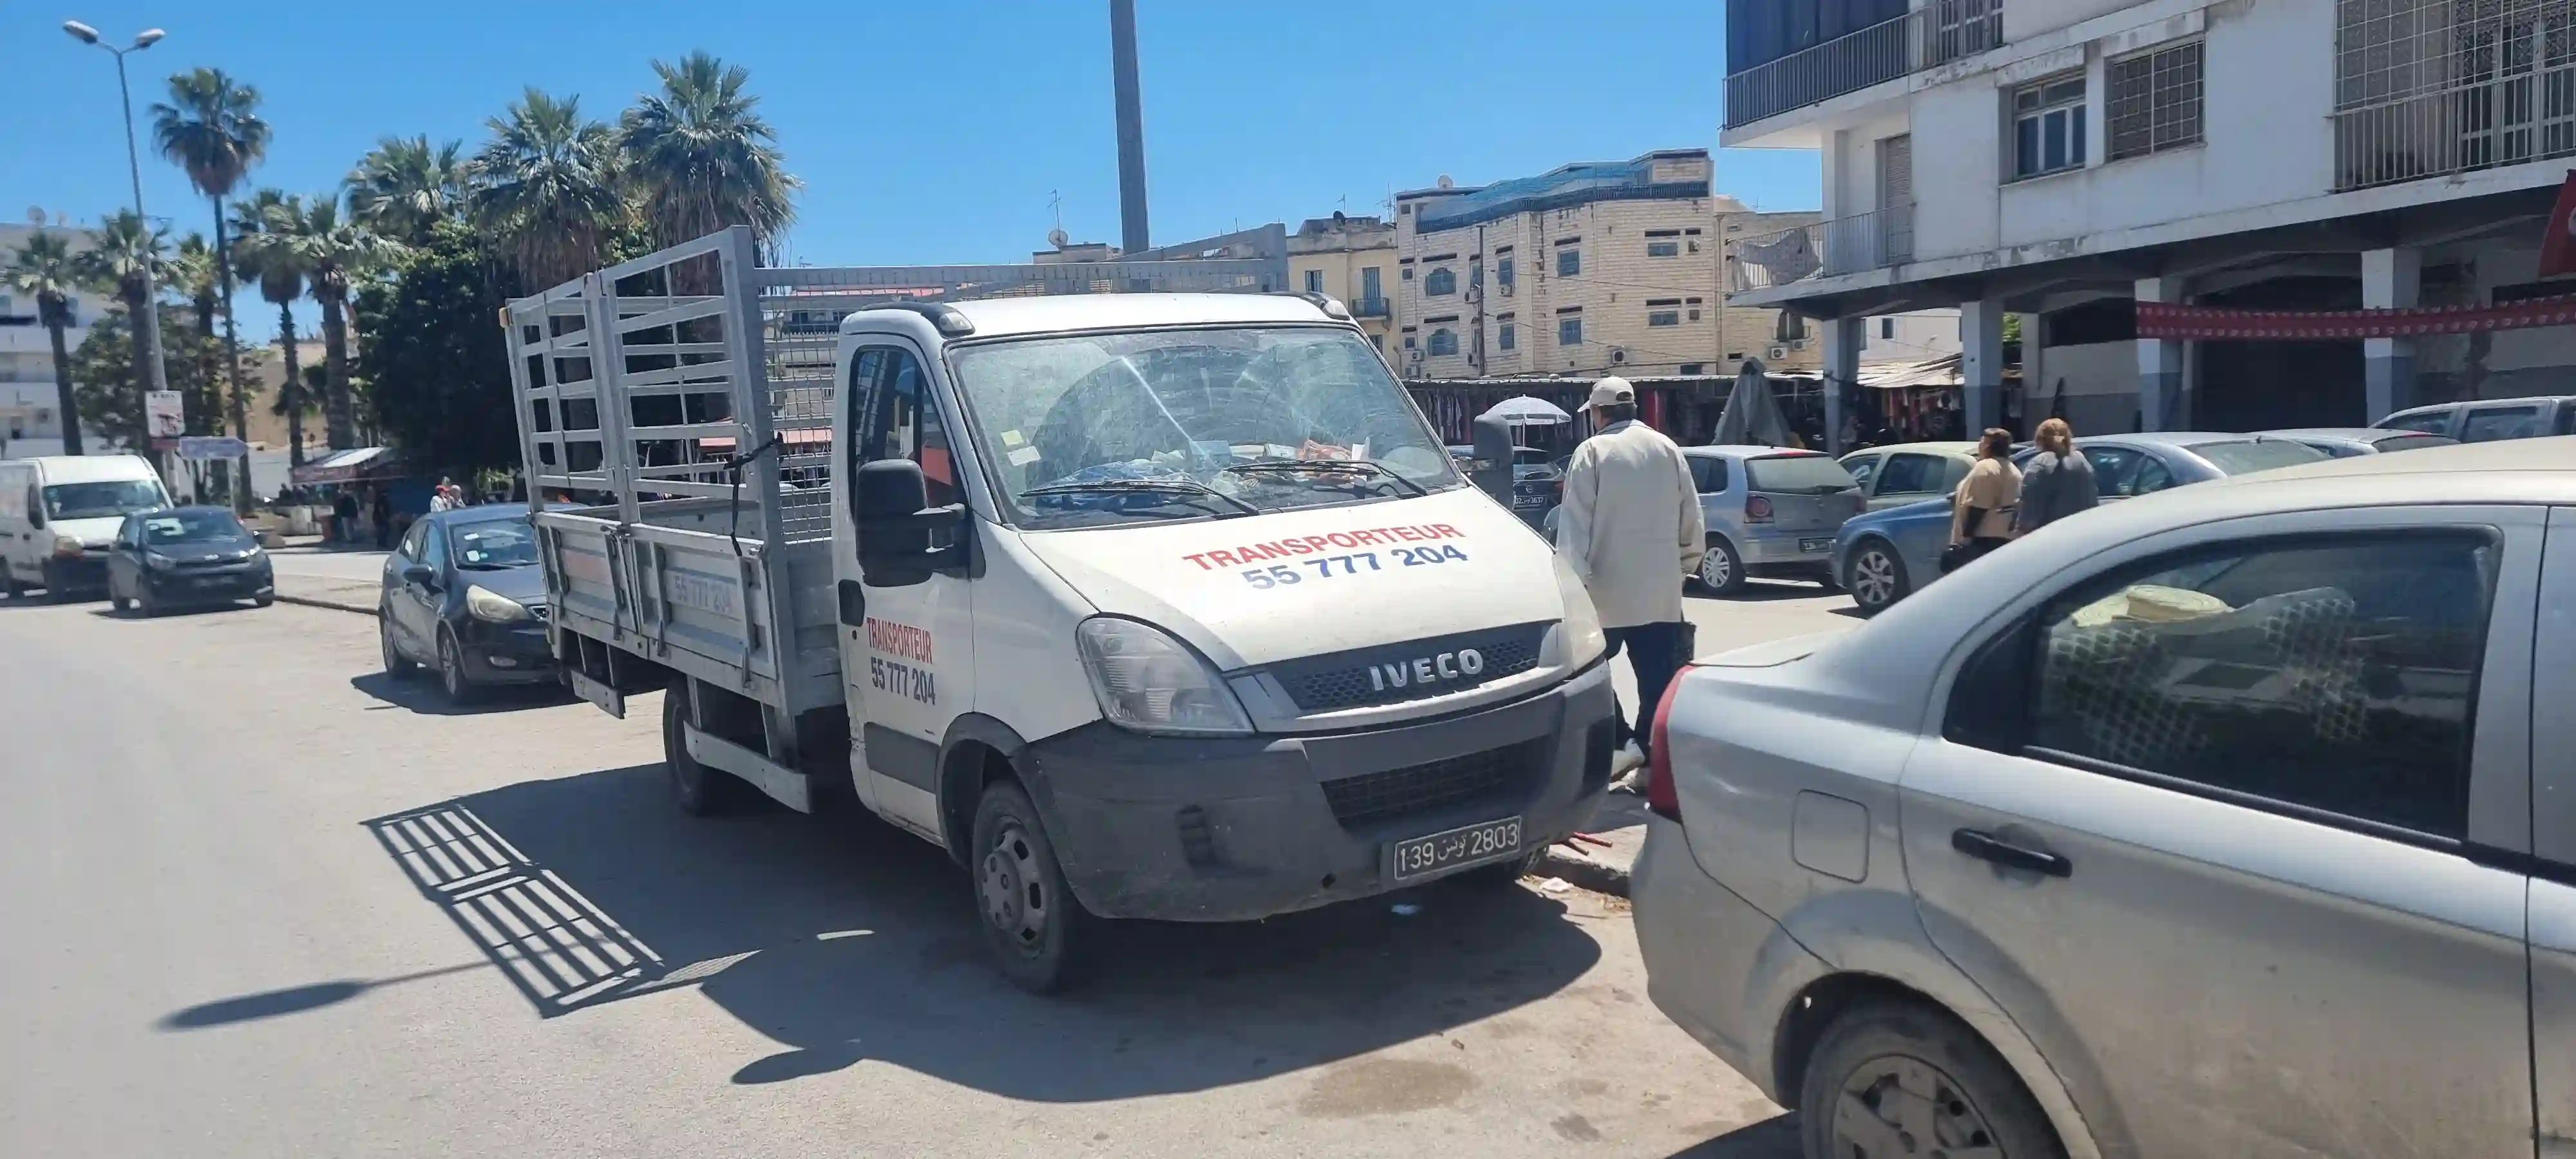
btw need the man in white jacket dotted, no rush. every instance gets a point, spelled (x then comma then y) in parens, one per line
(1631, 529)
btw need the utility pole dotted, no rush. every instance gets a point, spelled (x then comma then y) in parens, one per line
(151, 321)
(1134, 237)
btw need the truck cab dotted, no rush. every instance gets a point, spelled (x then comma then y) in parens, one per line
(1164, 606)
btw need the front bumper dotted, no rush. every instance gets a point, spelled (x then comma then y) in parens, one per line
(86, 572)
(1236, 828)
(211, 585)
(513, 653)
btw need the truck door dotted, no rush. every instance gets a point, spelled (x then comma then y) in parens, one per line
(907, 660)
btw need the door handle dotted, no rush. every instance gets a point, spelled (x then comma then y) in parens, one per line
(1988, 847)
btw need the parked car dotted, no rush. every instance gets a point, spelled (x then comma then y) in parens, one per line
(1538, 484)
(2488, 421)
(2217, 824)
(1884, 556)
(1771, 512)
(464, 593)
(1894, 476)
(2345, 442)
(183, 556)
(59, 513)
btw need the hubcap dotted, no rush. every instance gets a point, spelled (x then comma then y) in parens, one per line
(1712, 568)
(1874, 577)
(1898, 1106)
(1015, 894)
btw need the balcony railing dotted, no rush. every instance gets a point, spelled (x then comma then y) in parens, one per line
(2525, 115)
(1845, 245)
(1368, 307)
(1939, 31)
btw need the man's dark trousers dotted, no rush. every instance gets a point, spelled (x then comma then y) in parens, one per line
(1655, 654)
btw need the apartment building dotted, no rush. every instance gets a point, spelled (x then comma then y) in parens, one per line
(1353, 259)
(2231, 215)
(30, 414)
(1588, 269)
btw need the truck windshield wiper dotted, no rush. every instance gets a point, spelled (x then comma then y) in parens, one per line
(1324, 467)
(1173, 486)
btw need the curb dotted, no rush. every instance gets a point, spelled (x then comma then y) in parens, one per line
(1578, 870)
(325, 602)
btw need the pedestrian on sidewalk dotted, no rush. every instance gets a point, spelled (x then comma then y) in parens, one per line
(1631, 529)
(383, 511)
(1982, 510)
(2056, 482)
(344, 517)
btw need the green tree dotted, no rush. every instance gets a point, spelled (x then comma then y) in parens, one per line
(336, 254)
(211, 128)
(405, 186)
(125, 255)
(269, 259)
(192, 276)
(548, 189)
(435, 361)
(107, 388)
(701, 158)
(45, 269)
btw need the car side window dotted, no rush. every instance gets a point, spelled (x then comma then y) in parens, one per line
(2333, 673)
(410, 548)
(2152, 476)
(433, 551)
(1708, 474)
(1910, 475)
(1862, 467)
(2490, 424)
(2114, 468)
(2567, 418)
(897, 419)
(2430, 422)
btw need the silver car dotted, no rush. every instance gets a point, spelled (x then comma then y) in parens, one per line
(2346, 442)
(2233, 821)
(1771, 512)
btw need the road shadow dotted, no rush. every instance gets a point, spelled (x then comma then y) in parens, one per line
(1772, 1138)
(1760, 591)
(183, 611)
(1851, 612)
(844, 939)
(420, 693)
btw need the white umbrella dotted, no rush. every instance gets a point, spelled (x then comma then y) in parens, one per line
(1752, 413)
(1525, 411)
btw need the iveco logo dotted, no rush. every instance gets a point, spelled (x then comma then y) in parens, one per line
(1456, 665)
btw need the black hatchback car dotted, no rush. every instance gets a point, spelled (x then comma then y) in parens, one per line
(463, 594)
(184, 556)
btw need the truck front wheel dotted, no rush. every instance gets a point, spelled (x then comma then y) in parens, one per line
(1038, 931)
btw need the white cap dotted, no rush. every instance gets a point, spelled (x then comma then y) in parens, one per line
(1612, 391)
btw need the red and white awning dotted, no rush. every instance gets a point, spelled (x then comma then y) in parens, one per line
(2168, 320)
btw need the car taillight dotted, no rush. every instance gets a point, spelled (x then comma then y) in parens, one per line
(1661, 795)
(1757, 509)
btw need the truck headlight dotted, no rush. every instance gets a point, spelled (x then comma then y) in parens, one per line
(1576, 640)
(1147, 681)
(485, 604)
(67, 547)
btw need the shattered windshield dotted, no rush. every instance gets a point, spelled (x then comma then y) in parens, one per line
(1113, 428)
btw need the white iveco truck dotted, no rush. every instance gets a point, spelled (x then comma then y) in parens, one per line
(1153, 605)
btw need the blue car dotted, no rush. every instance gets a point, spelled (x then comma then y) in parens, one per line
(1883, 556)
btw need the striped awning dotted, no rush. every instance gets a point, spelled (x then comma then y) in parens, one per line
(2168, 320)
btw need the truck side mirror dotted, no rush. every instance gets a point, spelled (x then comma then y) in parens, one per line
(1492, 472)
(894, 522)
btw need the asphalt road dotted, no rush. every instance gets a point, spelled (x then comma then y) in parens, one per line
(261, 901)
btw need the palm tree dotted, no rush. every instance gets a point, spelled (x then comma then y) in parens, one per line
(192, 276)
(405, 185)
(212, 129)
(334, 252)
(128, 255)
(264, 256)
(547, 187)
(46, 269)
(702, 159)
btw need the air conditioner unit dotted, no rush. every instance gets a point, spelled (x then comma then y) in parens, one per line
(1797, 344)
(1507, 289)
(1618, 354)
(1779, 352)
(1694, 247)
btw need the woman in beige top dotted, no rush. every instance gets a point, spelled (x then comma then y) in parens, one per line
(1984, 506)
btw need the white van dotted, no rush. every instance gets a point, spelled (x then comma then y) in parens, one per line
(1162, 606)
(59, 513)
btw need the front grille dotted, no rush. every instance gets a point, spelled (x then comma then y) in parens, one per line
(1498, 776)
(1344, 679)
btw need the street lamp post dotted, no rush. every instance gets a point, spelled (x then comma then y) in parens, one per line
(151, 322)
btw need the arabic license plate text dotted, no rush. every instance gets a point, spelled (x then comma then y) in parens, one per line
(1826, 544)
(1441, 852)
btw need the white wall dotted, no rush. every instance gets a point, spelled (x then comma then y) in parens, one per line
(2101, 387)
(1917, 337)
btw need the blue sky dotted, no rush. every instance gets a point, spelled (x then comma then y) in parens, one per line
(930, 132)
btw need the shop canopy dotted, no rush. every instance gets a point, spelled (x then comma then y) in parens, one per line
(349, 466)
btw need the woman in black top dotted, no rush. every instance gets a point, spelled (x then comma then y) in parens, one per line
(2056, 482)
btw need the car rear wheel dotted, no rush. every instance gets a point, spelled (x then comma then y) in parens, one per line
(1893, 1079)
(145, 602)
(1038, 931)
(116, 600)
(1720, 570)
(397, 665)
(9, 582)
(1876, 576)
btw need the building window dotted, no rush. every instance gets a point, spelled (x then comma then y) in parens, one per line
(1569, 262)
(1444, 341)
(2154, 104)
(1663, 249)
(2048, 126)
(1507, 337)
(1440, 282)
(1504, 273)
(1314, 281)
(1792, 327)
(1691, 368)
(1887, 327)
(1379, 341)
(1370, 288)
(1569, 331)
(1663, 317)
(1408, 273)
(1408, 342)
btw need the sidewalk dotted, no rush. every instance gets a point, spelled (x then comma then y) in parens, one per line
(1620, 821)
(345, 595)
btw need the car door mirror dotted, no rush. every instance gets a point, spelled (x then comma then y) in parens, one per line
(419, 576)
(896, 522)
(1492, 471)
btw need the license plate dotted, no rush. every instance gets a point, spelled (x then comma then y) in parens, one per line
(1438, 853)
(1529, 500)
(1826, 544)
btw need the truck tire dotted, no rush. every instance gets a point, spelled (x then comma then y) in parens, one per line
(701, 791)
(1038, 930)
(1899, 1078)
